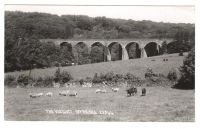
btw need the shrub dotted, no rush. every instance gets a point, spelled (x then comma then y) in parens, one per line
(81, 81)
(62, 77)
(48, 81)
(109, 76)
(55, 63)
(23, 80)
(65, 77)
(187, 80)
(131, 78)
(97, 79)
(88, 79)
(173, 75)
(181, 53)
(39, 82)
(119, 78)
(57, 75)
(10, 81)
(149, 73)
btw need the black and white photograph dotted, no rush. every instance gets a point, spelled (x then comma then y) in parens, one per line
(99, 63)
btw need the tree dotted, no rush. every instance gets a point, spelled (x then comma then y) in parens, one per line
(30, 54)
(183, 40)
(187, 80)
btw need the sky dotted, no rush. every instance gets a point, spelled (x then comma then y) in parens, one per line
(172, 14)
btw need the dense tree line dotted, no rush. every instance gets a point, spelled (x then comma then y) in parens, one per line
(23, 31)
(45, 25)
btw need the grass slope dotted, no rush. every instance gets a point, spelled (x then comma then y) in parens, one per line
(136, 66)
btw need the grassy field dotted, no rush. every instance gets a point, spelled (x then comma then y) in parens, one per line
(160, 104)
(136, 66)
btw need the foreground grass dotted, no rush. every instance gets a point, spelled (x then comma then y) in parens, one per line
(160, 104)
(135, 66)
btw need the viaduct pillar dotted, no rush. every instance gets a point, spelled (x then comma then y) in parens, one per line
(108, 55)
(143, 53)
(124, 53)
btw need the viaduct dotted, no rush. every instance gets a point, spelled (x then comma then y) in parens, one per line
(142, 47)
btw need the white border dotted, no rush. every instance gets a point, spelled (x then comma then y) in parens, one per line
(83, 125)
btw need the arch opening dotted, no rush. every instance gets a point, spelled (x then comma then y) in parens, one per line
(97, 53)
(151, 49)
(133, 50)
(66, 53)
(115, 51)
(81, 53)
(171, 48)
(66, 45)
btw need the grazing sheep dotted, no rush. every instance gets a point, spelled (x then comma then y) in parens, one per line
(143, 91)
(32, 95)
(98, 91)
(49, 94)
(74, 93)
(40, 94)
(115, 89)
(64, 93)
(131, 91)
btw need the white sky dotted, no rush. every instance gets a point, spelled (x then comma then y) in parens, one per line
(173, 14)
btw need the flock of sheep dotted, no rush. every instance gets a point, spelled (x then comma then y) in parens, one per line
(50, 94)
(130, 92)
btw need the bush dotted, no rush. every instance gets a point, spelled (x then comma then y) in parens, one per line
(149, 73)
(98, 79)
(48, 81)
(62, 77)
(65, 77)
(81, 81)
(172, 75)
(88, 79)
(10, 81)
(109, 76)
(181, 53)
(131, 78)
(39, 82)
(55, 63)
(23, 80)
(57, 75)
(187, 80)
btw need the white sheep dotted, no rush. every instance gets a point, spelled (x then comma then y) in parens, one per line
(49, 94)
(32, 95)
(98, 91)
(40, 94)
(74, 93)
(115, 89)
(64, 93)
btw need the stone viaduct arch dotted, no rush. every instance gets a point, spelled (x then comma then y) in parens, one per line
(66, 45)
(152, 49)
(127, 48)
(133, 50)
(115, 50)
(97, 52)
